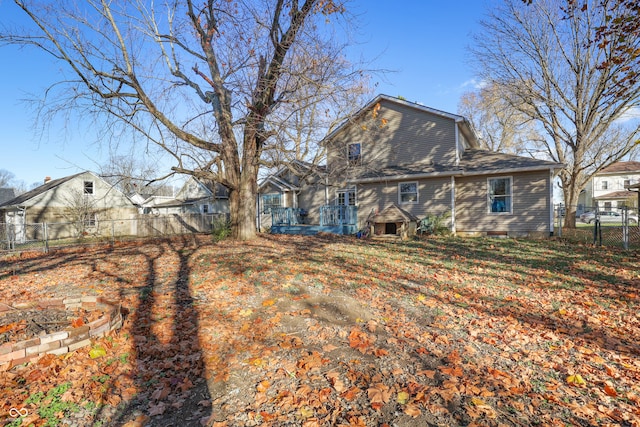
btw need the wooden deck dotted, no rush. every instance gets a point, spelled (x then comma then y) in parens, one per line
(333, 219)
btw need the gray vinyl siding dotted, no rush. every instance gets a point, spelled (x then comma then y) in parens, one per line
(434, 197)
(311, 198)
(531, 205)
(409, 136)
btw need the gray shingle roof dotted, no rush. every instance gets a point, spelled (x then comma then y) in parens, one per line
(7, 194)
(38, 190)
(620, 167)
(473, 162)
(483, 161)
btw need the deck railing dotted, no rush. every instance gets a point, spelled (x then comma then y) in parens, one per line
(338, 215)
(287, 216)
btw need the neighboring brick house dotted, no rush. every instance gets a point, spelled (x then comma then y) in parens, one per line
(424, 162)
(609, 188)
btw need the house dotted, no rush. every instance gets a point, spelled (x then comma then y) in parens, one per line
(6, 194)
(196, 196)
(395, 161)
(284, 188)
(81, 203)
(610, 188)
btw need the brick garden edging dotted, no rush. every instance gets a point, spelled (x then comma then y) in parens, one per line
(68, 339)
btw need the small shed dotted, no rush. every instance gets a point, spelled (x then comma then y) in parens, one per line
(393, 220)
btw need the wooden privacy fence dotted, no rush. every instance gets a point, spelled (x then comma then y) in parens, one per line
(43, 235)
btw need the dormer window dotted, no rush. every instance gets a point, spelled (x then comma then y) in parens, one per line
(354, 153)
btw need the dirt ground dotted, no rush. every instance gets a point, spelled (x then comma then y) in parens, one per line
(323, 331)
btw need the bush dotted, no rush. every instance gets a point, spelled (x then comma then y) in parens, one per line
(220, 229)
(434, 225)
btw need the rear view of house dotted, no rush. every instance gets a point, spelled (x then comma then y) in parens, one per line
(397, 161)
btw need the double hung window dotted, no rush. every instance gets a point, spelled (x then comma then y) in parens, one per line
(408, 192)
(499, 195)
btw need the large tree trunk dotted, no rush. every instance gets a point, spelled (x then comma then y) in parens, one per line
(242, 209)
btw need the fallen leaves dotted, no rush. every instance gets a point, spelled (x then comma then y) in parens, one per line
(576, 380)
(438, 331)
(378, 394)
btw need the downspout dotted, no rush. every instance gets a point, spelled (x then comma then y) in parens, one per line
(457, 136)
(326, 190)
(453, 180)
(551, 222)
(453, 205)
(258, 213)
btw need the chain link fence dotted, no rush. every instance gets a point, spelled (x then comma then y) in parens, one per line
(43, 236)
(612, 226)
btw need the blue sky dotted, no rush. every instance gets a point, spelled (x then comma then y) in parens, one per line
(423, 42)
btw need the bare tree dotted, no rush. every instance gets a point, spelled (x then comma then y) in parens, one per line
(82, 213)
(499, 126)
(620, 29)
(202, 80)
(6, 178)
(133, 174)
(542, 57)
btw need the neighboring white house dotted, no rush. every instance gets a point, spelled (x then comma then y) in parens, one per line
(194, 197)
(608, 189)
(81, 202)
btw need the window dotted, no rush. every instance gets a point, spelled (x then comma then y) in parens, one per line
(273, 200)
(408, 192)
(607, 206)
(627, 182)
(89, 219)
(604, 185)
(354, 153)
(88, 187)
(499, 195)
(205, 208)
(347, 197)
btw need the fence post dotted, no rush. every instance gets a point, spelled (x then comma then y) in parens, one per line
(45, 231)
(560, 209)
(113, 232)
(625, 227)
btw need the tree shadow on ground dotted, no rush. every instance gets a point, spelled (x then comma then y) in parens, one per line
(168, 368)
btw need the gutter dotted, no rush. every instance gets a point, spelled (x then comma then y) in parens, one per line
(450, 173)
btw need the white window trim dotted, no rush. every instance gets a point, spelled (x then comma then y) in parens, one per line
(510, 212)
(353, 190)
(93, 187)
(354, 162)
(89, 219)
(417, 193)
(262, 210)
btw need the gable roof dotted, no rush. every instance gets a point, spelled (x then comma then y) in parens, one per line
(620, 195)
(393, 213)
(297, 167)
(39, 190)
(212, 188)
(460, 120)
(622, 167)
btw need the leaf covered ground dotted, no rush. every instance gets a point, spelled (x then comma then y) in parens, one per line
(333, 331)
